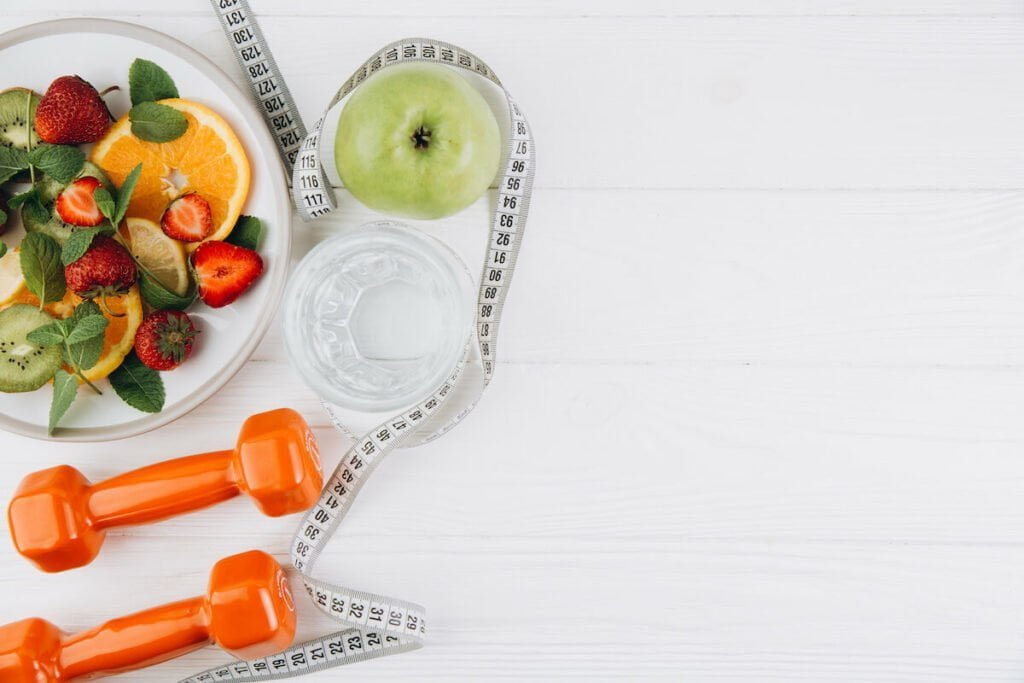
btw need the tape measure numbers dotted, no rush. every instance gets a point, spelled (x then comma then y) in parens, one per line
(375, 625)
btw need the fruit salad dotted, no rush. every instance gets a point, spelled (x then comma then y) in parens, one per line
(128, 222)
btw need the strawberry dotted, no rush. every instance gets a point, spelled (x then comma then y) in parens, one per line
(75, 204)
(71, 113)
(188, 219)
(105, 269)
(224, 271)
(164, 339)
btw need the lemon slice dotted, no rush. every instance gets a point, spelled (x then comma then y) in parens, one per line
(11, 279)
(163, 256)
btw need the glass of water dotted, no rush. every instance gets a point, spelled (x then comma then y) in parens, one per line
(377, 317)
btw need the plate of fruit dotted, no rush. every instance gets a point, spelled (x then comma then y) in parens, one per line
(146, 230)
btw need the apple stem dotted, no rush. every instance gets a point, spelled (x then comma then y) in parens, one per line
(421, 137)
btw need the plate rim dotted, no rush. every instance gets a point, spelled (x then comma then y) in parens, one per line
(254, 119)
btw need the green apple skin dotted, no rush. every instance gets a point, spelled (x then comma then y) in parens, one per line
(416, 140)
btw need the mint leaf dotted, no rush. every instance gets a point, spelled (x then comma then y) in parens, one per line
(78, 243)
(84, 354)
(41, 266)
(12, 160)
(3, 249)
(138, 385)
(65, 387)
(18, 200)
(248, 233)
(159, 297)
(157, 122)
(50, 334)
(87, 328)
(148, 82)
(105, 202)
(124, 194)
(61, 162)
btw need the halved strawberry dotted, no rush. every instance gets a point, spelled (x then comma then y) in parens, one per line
(224, 271)
(76, 206)
(188, 219)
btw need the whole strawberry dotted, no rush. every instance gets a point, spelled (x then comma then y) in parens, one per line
(106, 269)
(164, 339)
(72, 113)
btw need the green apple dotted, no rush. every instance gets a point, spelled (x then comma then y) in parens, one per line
(417, 140)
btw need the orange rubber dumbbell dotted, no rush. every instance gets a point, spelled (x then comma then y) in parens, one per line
(248, 611)
(58, 519)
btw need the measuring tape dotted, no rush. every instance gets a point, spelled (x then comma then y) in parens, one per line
(376, 625)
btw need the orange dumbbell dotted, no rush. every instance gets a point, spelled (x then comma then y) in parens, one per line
(58, 519)
(248, 611)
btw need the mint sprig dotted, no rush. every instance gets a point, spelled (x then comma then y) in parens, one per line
(84, 350)
(138, 385)
(63, 163)
(248, 233)
(155, 122)
(65, 388)
(42, 267)
(78, 243)
(113, 210)
(80, 338)
(12, 161)
(149, 83)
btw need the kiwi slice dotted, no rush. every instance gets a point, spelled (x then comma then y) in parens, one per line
(17, 117)
(24, 366)
(48, 189)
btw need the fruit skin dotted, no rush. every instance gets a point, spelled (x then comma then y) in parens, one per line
(106, 269)
(76, 206)
(188, 219)
(164, 339)
(15, 104)
(24, 366)
(162, 256)
(72, 113)
(417, 140)
(209, 155)
(224, 271)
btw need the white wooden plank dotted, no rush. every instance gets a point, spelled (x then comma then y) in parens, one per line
(744, 523)
(833, 279)
(706, 613)
(561, 457)
(793, 102)
(542, 8)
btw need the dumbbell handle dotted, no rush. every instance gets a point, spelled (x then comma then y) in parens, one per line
(135, 641)
(163, 490)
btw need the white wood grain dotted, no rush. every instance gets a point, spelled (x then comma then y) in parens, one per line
(714, 102)
(757, 410)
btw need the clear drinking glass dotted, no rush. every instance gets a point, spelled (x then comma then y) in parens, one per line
(377, 317)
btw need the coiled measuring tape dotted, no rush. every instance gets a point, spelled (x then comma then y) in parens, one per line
(376, 625)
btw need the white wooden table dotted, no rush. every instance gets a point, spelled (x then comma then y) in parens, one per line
(758, 411)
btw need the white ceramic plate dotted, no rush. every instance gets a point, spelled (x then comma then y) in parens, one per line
(101, 51)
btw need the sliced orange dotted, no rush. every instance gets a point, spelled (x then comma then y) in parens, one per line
(208, 160)
(118, 338)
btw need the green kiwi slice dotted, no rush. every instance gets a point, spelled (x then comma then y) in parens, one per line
(17, 117)
(48, 189)
(24, 366)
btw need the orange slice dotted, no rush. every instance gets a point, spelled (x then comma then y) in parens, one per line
(208, 159)
(118, 338)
